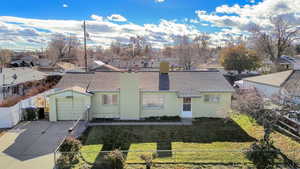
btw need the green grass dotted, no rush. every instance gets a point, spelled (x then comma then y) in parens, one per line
(187, 166)
(206, 141)
(286, 144)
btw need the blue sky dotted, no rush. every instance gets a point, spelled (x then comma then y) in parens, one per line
(25, 23)
(139, 11)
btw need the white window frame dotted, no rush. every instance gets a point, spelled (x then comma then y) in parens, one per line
(189, 104)
(112, 99)
(212, 98)
(151, 105)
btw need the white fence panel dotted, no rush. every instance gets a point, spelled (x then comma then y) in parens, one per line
(10, 116)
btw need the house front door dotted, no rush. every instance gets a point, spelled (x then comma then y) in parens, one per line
(187, 108)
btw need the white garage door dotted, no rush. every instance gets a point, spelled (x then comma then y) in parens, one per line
(70, 108)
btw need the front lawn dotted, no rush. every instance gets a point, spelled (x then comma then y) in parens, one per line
(208, 140)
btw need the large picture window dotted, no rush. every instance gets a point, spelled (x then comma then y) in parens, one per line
(109, 99)
(212, 98)
(153, 102)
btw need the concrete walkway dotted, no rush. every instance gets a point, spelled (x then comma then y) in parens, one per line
(30, 145)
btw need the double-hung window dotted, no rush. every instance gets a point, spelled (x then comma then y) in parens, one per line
(109, 99)
(153, 102)
(212, 98)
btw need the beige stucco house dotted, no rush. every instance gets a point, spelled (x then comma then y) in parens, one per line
(137, 95)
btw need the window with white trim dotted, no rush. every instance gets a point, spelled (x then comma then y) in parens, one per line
(109, 99)
(187, 104)
(212, 98)
(153, 102)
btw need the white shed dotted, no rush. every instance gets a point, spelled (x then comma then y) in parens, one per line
(270, 84)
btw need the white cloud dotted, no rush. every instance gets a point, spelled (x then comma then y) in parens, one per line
(236, 20)
(96, 17)
(159, 1)
(25, 32)
(117, 18)
(195, 21)
(243, 17)
(231, 20)
(65, 5)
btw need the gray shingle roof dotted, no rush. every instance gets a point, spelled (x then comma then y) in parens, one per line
(273, 79)
(292, 84)
(23, 74)
(192, 81)
(75, 79)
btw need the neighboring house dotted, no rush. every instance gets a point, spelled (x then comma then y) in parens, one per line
(285, 84)
(284, 63)
(25, 61)
(138, 95)
(13, 81)
(44, 62)
(288, 62)
(61, 67)
(30, 61)
(68, 67)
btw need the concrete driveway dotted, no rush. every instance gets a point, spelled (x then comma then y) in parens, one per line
(30, 145)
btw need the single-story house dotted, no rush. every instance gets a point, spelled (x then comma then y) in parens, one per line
(137, 95)
(25, 61)
(285, 84)
(13, 80)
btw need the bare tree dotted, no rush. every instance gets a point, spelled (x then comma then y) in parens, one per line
(167, 52)
(185, 52)
(148, 52)
(203, 51)
(190, 52)
(61, 47)
(116, 48)
(5, 56)
(275, 42)
(99, 53)
(138, 45)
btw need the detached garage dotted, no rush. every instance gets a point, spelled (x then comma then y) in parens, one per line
(69, 104)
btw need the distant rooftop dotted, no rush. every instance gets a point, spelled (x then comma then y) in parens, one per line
(292, 84)
(273, 79)
(12, 76)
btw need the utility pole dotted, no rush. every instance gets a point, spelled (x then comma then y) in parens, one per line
(85, 54)
(42, 49)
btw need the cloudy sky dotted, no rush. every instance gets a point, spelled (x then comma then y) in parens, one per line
(30, 24)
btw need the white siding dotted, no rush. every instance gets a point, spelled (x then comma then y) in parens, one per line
(267, 90)
(55, 110)
(104, 111)
(70, 109)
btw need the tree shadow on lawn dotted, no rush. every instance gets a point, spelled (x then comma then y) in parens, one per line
(203, 130)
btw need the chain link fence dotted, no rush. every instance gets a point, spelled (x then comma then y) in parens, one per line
(169, 158)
